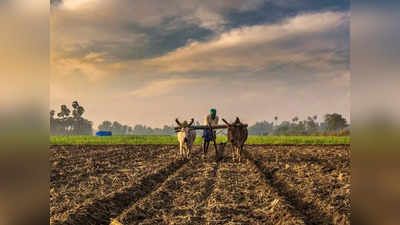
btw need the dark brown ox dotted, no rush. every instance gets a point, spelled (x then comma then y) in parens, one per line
(237, 136)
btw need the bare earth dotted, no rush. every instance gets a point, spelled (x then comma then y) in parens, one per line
(147, 184)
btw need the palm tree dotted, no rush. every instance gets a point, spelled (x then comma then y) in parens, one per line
(276, 120)
(64, 111)
(52, 113)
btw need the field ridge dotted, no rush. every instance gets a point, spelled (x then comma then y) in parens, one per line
(146, 184)
(309, 211)
(113, 204)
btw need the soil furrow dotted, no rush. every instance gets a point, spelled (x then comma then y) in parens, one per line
(240, 197)
(99, 211)
(200, 209)
(331, 158)
(311, 212)
(176, 201)
(147, 184)
(90, 185)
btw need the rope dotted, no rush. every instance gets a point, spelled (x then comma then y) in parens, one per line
(220, 132)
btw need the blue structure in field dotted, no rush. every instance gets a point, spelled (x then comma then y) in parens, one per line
(104, 133)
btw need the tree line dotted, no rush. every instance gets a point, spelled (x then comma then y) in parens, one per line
(119, 129)
(70, 122)
(332, 123)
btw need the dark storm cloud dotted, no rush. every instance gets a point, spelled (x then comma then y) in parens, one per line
(174, 28)
(276, 11)
(160, 40)
(155, 41)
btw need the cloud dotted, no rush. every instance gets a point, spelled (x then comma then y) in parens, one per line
(91, 66)
(164, 87)
(263, 46)
(304, 44)
(78, 4)
(253, 59)
(206, 19)
(95, 57)
(145, 27)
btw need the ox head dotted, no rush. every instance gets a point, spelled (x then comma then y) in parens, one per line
(237, 123)
(237, 131)
(185, 129)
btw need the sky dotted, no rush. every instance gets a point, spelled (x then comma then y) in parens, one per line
(148, 62)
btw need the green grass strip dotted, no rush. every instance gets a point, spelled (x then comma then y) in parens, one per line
(143, 140)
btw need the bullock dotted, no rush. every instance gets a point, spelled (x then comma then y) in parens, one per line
(237, 136)
(186, 137)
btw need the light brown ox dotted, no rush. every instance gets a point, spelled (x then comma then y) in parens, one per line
(186, 137)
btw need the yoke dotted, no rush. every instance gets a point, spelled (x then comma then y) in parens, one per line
(203, 127)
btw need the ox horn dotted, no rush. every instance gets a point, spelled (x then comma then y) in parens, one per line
(191, 122)
(237, 121)
(226, 122)
(179, 123)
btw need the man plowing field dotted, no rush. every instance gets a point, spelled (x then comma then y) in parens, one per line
(209, 134)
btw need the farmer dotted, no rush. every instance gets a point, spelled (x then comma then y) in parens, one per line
(209, 134)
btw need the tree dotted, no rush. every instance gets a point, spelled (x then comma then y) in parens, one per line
(117, 128)
(125, 129)
(105, 126)
(276, 121)
(295, 119)
(283, 129)
(67, 125)
(78, 110)
(64, 111)
(261, 128)
(310, 125)
(335, 122)
(55, 3)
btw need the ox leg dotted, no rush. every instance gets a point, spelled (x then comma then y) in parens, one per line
(241, 150)
(205, 147)
(180, 149)
(185, 152)
(216, 150)
(233, 153)
(238, 153)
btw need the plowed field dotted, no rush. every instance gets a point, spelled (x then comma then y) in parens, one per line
(148, 184)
